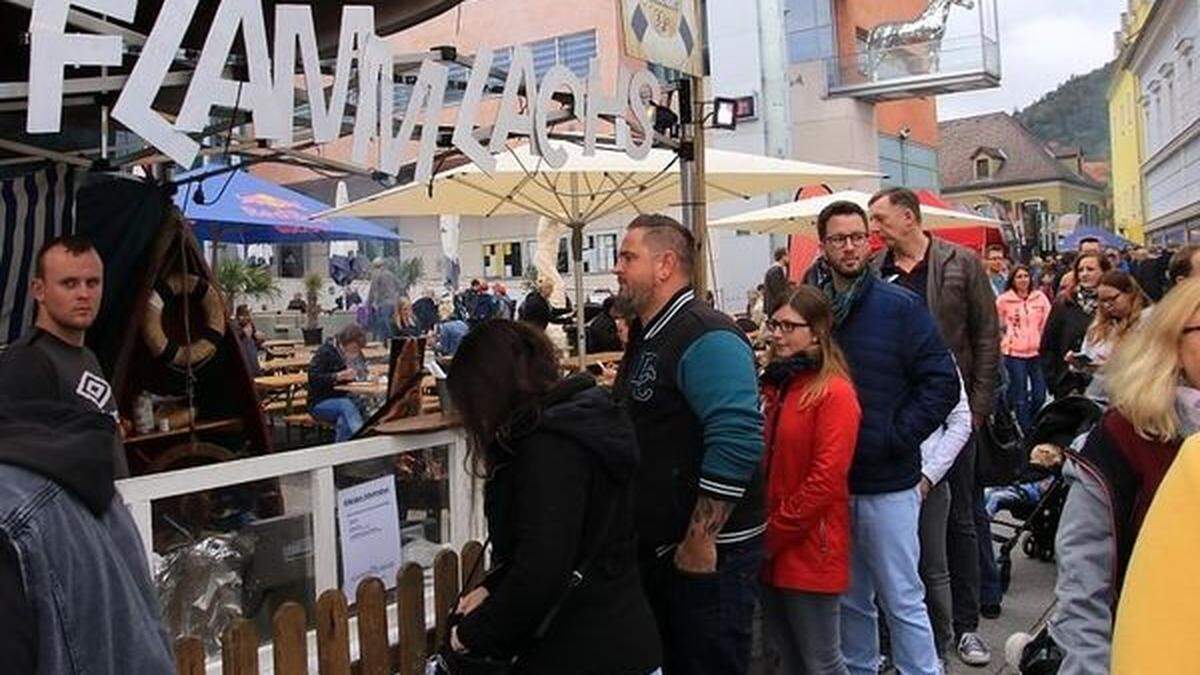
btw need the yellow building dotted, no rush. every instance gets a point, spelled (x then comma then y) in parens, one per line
(1125, 128)
(994, 165)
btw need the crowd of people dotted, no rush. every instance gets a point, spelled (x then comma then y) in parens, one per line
(635, 525)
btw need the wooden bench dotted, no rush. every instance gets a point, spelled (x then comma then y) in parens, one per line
(305, 423)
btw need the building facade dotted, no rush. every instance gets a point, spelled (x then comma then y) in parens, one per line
(993, 164)
(785, 56)
(1166, 65)
(1126, 130)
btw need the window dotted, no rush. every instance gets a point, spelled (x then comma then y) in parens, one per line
(599, 252)
(983, 168)
(291, 261)
(502, 260)
(575, 51)
(809, 28)
(564, 255)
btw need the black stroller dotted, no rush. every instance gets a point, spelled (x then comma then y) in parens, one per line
(1034, 524)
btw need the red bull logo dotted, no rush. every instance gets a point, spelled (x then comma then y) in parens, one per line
(269, 207)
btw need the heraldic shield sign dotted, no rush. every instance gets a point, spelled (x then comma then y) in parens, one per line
(664, 32)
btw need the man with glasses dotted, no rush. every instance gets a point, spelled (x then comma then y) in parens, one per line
(907, 385)
(997, 268)
(952, 282)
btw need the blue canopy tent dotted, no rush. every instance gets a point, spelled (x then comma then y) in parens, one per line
(1070, 242)
(239, 208)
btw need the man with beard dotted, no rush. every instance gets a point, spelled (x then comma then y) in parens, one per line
(907, 385)
(688, 381)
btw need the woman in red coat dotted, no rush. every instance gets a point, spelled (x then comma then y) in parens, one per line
(812, 426)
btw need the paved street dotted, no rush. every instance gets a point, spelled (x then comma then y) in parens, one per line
(1031, 592)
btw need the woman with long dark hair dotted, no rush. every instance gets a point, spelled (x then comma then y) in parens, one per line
(1023, 314)
(812, 426)
(1068, 323)
(558, 459)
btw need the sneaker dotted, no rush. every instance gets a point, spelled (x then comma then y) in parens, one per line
(989, 611)
(973, 650)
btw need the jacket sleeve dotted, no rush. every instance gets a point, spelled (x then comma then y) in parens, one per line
(933, 378)
(322, 373)
(717, 377)
(1046, 307)
(1051, 348)
(941, 448)
(984, 332)
(836, 433)
(549, 523)
(1082, 623)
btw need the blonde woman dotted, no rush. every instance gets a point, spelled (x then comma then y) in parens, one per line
(1154, 388)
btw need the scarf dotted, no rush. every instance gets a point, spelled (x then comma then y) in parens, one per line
(1087, 299)
(841, 301)
(778, 373)
(1187, 409)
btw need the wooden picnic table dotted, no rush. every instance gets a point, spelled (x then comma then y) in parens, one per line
(369, 388)
(281, 382)
(297, 362)
(282, 343)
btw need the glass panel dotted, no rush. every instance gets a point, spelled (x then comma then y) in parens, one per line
(238, 551)
(575, 51)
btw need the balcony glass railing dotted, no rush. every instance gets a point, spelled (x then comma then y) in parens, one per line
(918, 65)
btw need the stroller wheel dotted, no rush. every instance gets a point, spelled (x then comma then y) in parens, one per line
(1029, 546)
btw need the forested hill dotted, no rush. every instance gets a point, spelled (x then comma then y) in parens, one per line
(1076, 113)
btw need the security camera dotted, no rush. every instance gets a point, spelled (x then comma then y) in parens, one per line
(905, 133)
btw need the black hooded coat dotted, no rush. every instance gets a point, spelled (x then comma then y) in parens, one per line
(566, 489)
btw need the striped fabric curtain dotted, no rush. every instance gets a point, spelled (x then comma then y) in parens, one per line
(34, 208)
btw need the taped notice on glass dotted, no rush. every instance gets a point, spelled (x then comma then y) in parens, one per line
(369, 533)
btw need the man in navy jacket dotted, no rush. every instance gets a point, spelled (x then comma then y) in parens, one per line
(907, 384)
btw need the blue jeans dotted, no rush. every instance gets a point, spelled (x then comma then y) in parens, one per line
(1026, 388)
(705, 619)
(341, 412)
(884, 553)
(990, 590)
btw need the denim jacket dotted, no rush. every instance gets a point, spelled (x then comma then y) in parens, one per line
(79, 555)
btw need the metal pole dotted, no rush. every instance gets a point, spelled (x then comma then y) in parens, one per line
(577, 226)
(695, 212)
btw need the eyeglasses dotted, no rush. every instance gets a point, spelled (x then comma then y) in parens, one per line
(839, 240)
(783, 325)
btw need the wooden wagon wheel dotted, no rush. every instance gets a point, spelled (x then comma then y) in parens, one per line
(192, 511)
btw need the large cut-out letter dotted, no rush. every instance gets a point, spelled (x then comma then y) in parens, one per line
(468, 112)
(428, 94)
(558, 77)
(51, 48)
(642, 82)
(133, 106)
(294, 23)
(376, 94)
(511, 119)
(209, 88)
(599, 106)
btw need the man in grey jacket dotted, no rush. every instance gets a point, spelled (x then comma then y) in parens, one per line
(952, 281)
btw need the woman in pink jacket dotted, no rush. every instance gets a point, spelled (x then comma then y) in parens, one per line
(1023, 312)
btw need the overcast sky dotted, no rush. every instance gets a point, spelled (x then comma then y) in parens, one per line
(1042, 44)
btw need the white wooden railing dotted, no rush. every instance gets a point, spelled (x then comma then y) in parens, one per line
(310, 475)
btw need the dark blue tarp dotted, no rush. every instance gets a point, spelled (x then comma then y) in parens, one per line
(251, 210)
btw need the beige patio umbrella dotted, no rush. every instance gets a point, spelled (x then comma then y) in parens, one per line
(800, 216)
(586, 189)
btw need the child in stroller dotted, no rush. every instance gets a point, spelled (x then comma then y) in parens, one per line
(1060, 426)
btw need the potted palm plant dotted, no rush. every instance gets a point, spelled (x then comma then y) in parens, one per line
(237, 278)
(312, 286)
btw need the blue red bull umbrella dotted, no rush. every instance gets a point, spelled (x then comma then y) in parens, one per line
(239, 208)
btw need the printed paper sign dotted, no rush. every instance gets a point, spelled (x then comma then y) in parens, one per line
(369, 533)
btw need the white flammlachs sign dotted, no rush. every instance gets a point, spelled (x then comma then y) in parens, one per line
(270, 96)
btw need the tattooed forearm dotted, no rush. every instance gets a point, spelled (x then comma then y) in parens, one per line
(709, 517)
